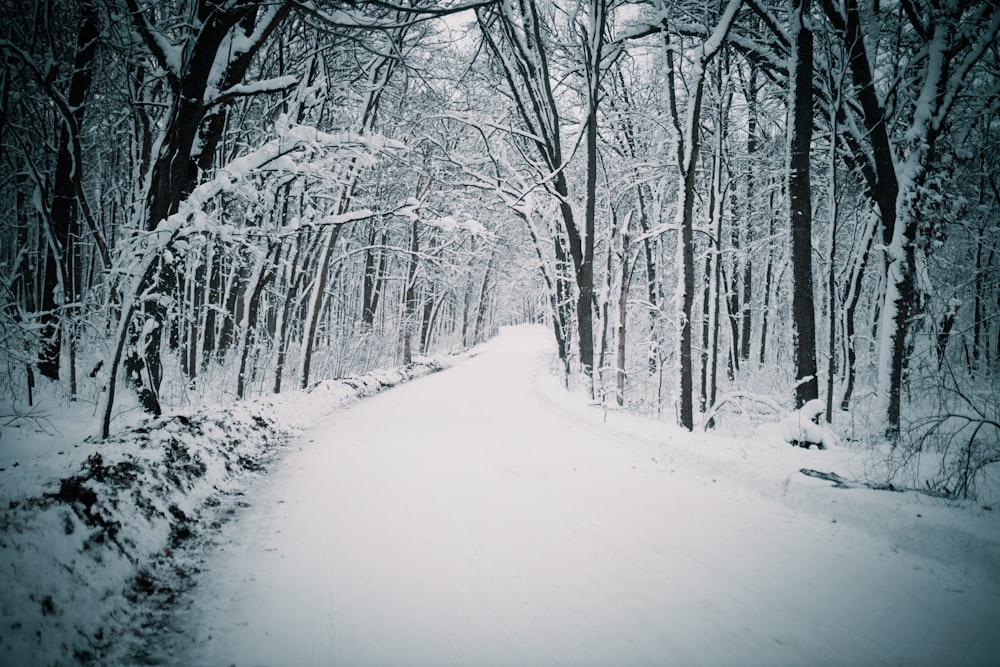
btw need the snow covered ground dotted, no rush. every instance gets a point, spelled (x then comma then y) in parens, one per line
(96, 535)
(482, 516)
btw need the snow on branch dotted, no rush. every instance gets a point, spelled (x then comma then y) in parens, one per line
(292, 152)
(479, 123)
(736, 398)
(165, 54)
(239, 45)
(344, 18)
(718, 36)
(960, 75)
(278, 84)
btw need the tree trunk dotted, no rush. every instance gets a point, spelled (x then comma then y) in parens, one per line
(747, 324)
(194, 126)
(484, 298)
(316, 302)
(260, 278)
(626, 278)
(687, 158)
(852, 295)
(768, 281)
(425, 320)
(604, 305)
(188, 147)
(946, 326)
(409, 296)
(706, 324)
(831, 287)
(585, 271)
(61, 276)
(831, 283)
(293, 276)
(374, 269)
(800, 200)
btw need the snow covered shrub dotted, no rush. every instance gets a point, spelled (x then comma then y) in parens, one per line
(949, 443)
(745, 408)
(804, 428)
(960, 427)
(17, 354)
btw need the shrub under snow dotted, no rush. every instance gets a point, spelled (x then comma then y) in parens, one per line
(804, 427)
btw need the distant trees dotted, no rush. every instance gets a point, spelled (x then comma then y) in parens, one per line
(515, 34)
(47, 86)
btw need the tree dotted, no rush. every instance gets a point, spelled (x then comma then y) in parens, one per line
(61, 278)
(203, 63)
(947, 43)
(688, 144)
(800, 200)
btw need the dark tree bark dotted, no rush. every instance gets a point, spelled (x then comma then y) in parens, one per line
(214, 296)
(369, 292)
(410, 296)
(947, 324)
(585, 271)
(852, 295)
(800, 199)
(706, 328)
(747, 313)
(316, 303)
(234, 303)
(61, 268)
(194, 125)
(264, 276)
(687, 154)
(768, 282)
(688, 145)
(379, 282)
(425, 320)
(484, 293)
(295, 276)
(626, 278)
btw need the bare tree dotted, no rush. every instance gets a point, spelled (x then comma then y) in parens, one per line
(800, 128)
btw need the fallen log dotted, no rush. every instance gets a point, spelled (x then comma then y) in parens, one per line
(840, 482)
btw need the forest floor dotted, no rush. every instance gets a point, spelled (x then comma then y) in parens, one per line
(484, 516)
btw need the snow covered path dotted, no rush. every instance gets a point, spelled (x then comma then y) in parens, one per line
(464, 519)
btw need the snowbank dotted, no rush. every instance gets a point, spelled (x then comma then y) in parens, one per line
(75, 556)
(959, 534)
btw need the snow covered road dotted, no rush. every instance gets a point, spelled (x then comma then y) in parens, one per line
(467, 519)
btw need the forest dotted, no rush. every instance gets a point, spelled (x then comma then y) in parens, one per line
(721, 210)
